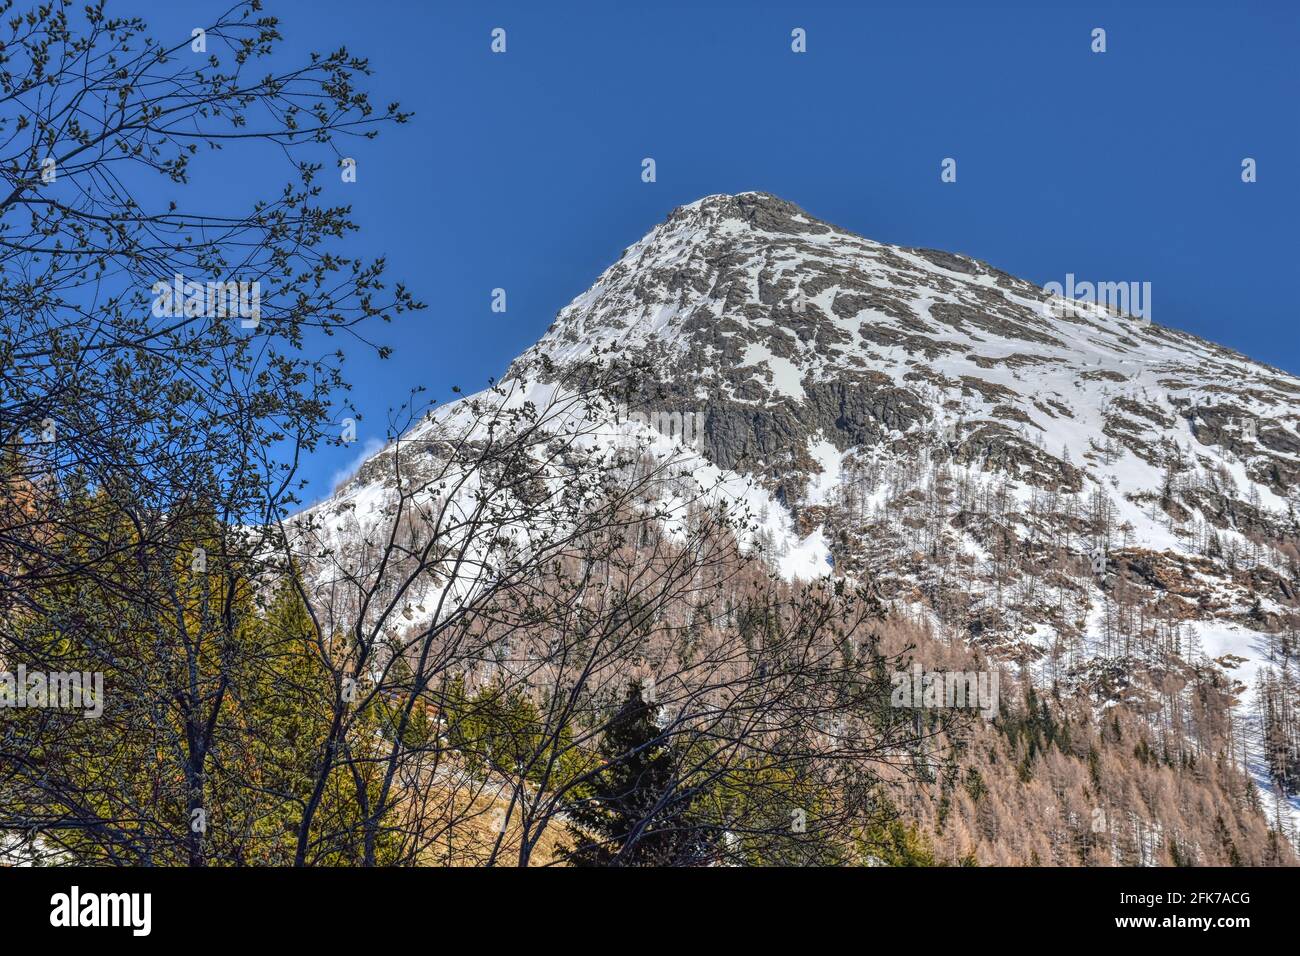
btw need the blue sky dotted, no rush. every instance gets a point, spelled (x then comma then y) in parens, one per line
(522, 170)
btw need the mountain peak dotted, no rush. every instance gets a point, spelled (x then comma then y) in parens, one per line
(784, 327)
(758, 210)
(1035, 476)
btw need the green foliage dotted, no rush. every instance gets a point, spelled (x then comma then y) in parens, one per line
(634, 814)
(502, 730)
(895, 843)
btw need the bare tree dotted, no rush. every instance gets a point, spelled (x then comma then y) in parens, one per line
(529, 561)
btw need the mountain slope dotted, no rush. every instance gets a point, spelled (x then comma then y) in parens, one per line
(1105, 501)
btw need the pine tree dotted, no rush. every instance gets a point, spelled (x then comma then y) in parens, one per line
(634, 815)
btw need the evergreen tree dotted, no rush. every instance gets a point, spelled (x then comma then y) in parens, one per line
(634, 814)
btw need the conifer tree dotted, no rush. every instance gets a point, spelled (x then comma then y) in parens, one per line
(634, 814)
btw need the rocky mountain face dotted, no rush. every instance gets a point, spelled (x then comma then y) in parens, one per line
(1103, 500)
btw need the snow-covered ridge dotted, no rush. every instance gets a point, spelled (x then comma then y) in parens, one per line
(934, 423)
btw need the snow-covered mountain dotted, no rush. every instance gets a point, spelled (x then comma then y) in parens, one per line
(1099, 498)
